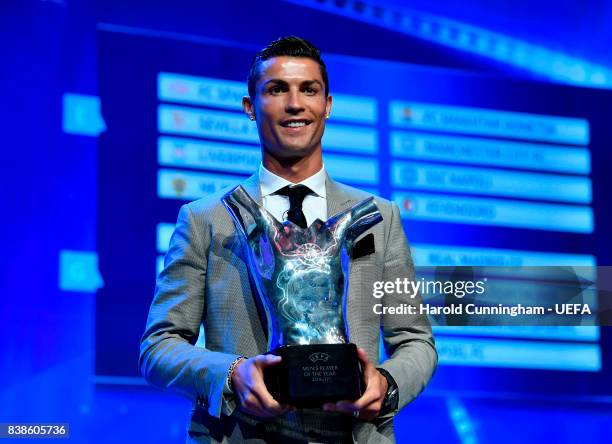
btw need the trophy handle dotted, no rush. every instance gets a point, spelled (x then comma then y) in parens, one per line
(354, 221)
(364, 215)
(252, 222)
(251, 219)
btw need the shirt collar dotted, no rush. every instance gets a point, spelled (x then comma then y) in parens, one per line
(270, 183)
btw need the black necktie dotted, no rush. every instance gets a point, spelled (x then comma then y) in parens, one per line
(296, 194)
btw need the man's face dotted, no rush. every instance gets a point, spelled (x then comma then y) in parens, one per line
(290, 106)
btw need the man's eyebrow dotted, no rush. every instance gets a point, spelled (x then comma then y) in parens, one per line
(310, 82)
(284, 82)
(275, 81)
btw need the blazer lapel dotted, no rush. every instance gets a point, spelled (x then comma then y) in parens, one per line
(251, 186)
(337, 199)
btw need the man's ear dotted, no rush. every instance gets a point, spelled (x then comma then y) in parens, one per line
(328, 105)
(247, 106)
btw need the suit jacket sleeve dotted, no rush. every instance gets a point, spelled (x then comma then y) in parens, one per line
(168, 357)
(407, 339)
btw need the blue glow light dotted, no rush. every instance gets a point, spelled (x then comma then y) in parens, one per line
(461, 420)
(547, 355)
(554, 65)
(496, 212)
(493, 182)
(477, 151)
(489, 122)
(78, 271)
(452, 255)
(81, 115)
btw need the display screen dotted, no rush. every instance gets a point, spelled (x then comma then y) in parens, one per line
(486, 171)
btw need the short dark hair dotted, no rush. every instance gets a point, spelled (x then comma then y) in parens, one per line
(290, 46)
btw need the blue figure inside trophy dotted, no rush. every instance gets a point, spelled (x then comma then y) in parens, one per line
(301, 276)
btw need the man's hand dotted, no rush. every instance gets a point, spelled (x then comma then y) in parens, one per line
(250, 389)
(369, 405)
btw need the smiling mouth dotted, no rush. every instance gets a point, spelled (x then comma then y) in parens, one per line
(296, 123)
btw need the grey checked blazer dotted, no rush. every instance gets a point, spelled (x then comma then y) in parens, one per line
(205, 281)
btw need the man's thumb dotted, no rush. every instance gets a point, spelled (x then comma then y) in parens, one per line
(269, 359)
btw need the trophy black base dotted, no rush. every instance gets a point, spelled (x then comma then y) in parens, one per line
(311, 375)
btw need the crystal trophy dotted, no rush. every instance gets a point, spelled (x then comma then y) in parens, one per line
(301, 278)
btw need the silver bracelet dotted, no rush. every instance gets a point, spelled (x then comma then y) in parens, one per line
(232, 367)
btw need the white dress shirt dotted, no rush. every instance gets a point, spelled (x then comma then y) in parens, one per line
(314, 205)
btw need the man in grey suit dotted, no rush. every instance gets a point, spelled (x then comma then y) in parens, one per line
(206, 282)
